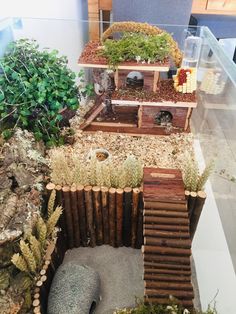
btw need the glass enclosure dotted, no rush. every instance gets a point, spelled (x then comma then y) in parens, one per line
(213, 121)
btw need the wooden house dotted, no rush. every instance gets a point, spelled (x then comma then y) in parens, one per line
(142, 102)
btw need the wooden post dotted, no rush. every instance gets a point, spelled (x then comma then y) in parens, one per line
(90, 214)
(82, 215)
(119, 216)
(140, 114)
(112, 216)
(98, 214)
(74, 208)
(139, 235)
(93, 17)
(200, 201)
(127, 216)
(116, 79)
(155, 80)
(191, 202)
(105, 214)
(134, 216)
(68, 215)
(62, 219)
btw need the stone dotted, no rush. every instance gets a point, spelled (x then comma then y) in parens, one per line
(75, 289)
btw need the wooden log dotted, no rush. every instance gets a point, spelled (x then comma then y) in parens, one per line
(164, 271)
(165, 293)
(174, 228)
(191, 202)
(68, 216)
(134, 216)
(165, 213)
(168, 285)
(127, 216)
(97, 204)
(172, 243)
(112, 216)
(155, 81)
(119, 216)
(36, 302)
(62, 219)
(187, 193)
(75, 214)
(36, 296)
(139, 236)
(182, 207)
(164, 250)
(82, 215)
(166, 234)
(105, 214)
(200, 201)
(37, 310)
(169, 266)
(50, 187)
(93, 115)
(166, 220)
(166, 301)
(166, 277)
(182, 260)
(90, 215)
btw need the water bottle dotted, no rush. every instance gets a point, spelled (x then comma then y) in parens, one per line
(192, 49)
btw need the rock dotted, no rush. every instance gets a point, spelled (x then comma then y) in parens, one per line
(75, 290)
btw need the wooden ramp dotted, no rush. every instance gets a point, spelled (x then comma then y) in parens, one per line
(167, 244)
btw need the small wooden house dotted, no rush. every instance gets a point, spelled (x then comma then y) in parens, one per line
(142, 103)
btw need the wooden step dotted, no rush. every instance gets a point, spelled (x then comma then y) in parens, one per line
(165, 277)
(166, 220)
(164, 250)
(164, 213)
(179, 207)
(180, 286)
(180, 272)
(179, 294)
(172, 268)
(156, 226)
(149, 232)
(167, 259)
(172, 243)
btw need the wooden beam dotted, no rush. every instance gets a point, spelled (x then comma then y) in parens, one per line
(105, 5)
(138, 67)
(93, 17)
(155, 81)
(154, 104)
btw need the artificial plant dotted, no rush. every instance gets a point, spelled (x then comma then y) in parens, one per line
(35, 87)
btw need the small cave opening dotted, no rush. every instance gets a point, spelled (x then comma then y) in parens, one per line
(163, 118)
(92, 308)
(135, 79)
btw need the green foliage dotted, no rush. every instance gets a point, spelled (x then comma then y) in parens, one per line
(35, 85)
(137, 46)
(172, 308)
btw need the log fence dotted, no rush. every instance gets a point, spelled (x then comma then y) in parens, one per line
(96, 215)
(161, 220)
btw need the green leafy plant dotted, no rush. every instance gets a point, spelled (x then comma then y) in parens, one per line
(35, 86)
(137, 46)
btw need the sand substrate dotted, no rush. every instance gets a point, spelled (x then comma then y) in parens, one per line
(157, 151)
(120, 271)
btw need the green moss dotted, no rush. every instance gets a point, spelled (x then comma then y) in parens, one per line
(137, 46)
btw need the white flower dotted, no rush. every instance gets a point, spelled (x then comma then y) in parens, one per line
(186, 311)
(137, 58)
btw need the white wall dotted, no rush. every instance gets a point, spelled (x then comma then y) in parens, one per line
(64, 9)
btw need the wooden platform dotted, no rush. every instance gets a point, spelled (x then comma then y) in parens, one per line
(167, 244)
(154, 104)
